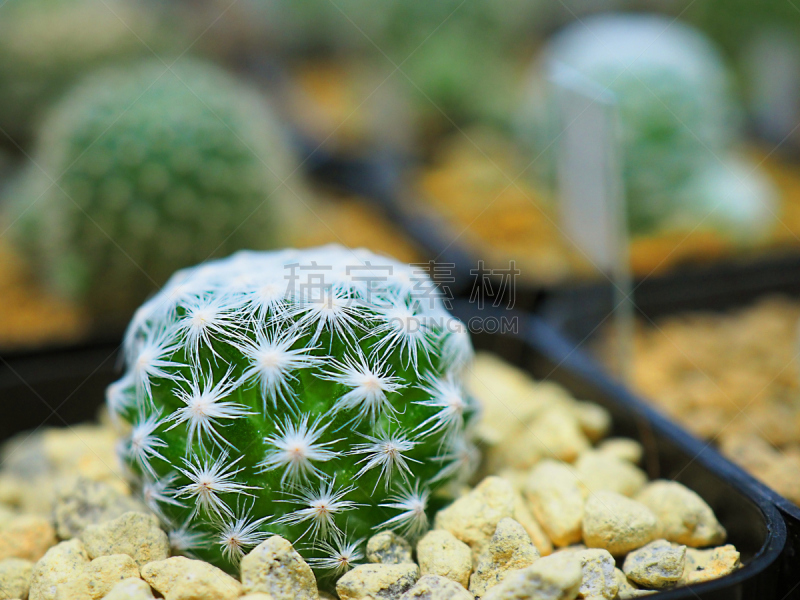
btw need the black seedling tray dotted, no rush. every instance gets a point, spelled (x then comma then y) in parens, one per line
(579, 314)
(63, 388)
(55, 388)
(579, 309)
(743, 505)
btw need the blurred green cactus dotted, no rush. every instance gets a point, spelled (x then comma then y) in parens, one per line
(678, 113)
(145, 169)
(313, 394)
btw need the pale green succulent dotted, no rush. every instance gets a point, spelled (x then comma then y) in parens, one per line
(678, 113)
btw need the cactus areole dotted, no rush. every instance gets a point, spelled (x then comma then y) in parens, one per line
(313, 394)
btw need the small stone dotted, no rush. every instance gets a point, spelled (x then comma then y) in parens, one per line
(622, 448)
(685, 518)
(12, 490)
(704, 565)
(88, 503)
(82, 450)
(601, 472)
(524, 516)
(509, 549)
(262, 596)
(554, 577)
(616, 523)
(274, 567)
(132, 533)
(440, 553)
(181, 578)
(474, 517)
(60, 564)
(74, 589)
(435, 587)
(130, 589)
(26, 536)
(657, 565)
(598, 580)
(594, 420)
(556, 499)
(15, 577)
(388, 548)
(626, 589)
(559, 434)
(104, 572)
(381, 582)
(6, 514)
(508, 396)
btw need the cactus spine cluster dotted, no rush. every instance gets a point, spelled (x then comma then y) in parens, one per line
(312, 394)
(146, 169)
(678, 115)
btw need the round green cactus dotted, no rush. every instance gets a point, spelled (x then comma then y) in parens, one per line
(677, 110)
(145, 169)
(313, 394)
(46, 44)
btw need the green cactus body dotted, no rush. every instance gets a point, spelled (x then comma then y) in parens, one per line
(146, 169)
(46, 44)
(321, 412)
(677, 110)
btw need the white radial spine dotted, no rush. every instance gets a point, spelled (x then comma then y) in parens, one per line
(387, 452)
(320, 506)
(120, 398)
(449, 400)
(339, 555)
(185, 540)
(205, 319)
(143, 444)
(369, 387)
(239, 534)
(333, 308)
(152, 361)
(157, 492)
(203, 408)
(274, 364)
(404, 327)
(457, 351)
(208, 480)
(294, 448)
(459, 462)
(412, 519)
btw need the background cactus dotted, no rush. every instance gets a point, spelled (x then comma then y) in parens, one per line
(259, 404)
(146, 169)
(46, 44)
(678, 113)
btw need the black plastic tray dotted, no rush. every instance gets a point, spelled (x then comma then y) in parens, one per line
(579, 313)
(55, 388)
(64, 388)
